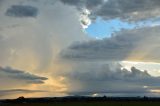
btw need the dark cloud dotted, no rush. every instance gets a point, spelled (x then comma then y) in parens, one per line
(22, 11)
(109, 78)
(83, 3)
(134, 10)
(135, 45)
(26, 77)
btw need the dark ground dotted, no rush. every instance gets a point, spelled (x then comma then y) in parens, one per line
(82, 101)
(89, 104)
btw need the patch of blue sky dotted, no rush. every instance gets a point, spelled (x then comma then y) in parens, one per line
(101, 28)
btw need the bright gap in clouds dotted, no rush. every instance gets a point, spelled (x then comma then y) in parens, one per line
(151, 67)
(101, 28)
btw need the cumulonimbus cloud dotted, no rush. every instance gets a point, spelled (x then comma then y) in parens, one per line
(39, 41)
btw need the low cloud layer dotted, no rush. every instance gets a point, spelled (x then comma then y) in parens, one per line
(90, 78)
(14, 78)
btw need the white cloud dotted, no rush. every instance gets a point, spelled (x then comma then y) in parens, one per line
(84, 18)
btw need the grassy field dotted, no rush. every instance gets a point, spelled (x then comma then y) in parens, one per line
(90, 104)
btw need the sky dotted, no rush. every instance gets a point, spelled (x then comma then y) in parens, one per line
(58, 48)
(101, 28)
